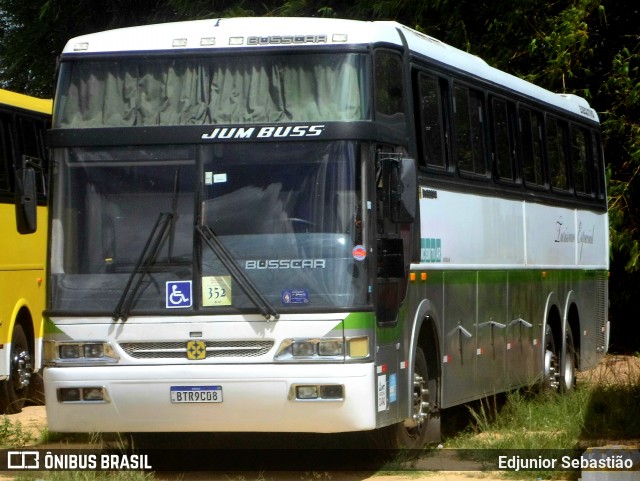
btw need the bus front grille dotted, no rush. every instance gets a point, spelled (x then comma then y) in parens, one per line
(212, 349)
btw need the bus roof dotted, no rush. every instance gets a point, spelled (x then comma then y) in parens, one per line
(260, 32)
(25, 102)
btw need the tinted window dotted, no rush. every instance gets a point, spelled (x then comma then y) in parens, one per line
(5, 159)
(469, 128)
(557, 140)
(431, 121)
(32, 146)
(581, 162)
(531, 145)
(389, 86)
(598, 165)
(503, 142)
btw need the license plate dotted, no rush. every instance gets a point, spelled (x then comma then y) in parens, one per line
(196, 394)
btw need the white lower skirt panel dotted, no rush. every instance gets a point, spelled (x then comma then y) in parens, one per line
(256, 398)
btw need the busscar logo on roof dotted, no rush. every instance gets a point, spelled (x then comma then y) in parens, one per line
(266, 132)
(286, 39)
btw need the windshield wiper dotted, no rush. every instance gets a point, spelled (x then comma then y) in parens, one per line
(247, 285)
(174, 213)
(145, 260)
(165, 222)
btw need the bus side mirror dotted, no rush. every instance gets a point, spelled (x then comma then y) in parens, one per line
(26, 200)
(403, 191)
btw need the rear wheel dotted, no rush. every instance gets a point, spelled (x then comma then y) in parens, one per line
(14, 390)
(550, 375)
(567, 372)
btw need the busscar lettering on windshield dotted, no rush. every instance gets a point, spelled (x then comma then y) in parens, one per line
(261, 302)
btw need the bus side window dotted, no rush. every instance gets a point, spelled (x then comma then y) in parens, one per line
(504, 143)
(432, 133)
(530, 124)
(32, 145)
(580, 161)
(5, 160)
(389, 87)
(557, 140)
(468, 114)
(597, 157)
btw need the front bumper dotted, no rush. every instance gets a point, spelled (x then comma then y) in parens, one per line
(256, 398)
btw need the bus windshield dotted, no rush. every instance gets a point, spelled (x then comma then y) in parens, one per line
(288, 214)
(239, 89)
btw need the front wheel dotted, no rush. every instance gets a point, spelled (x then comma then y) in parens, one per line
(414, 432)
(14, 390)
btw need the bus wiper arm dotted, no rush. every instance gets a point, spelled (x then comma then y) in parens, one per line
(145, 260)
(247, 285)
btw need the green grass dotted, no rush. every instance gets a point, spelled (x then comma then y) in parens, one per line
(545, 421)
(603, 410)
(14, 435)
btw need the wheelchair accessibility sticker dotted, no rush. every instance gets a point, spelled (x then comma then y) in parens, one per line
(179, 294)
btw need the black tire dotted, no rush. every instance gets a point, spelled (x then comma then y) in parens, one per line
(14, 390)
(550, 368)
(424, 388)
(413, 433)
(567, 373)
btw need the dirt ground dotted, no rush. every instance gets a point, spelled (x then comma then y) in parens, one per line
(33, 419)
(612, 369)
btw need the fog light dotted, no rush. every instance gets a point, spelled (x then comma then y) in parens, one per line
(307, 392)
(332, 392)
(67, 395)
(92, 394)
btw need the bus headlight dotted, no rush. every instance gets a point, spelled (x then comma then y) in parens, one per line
(324, 349)
(94, 352)
(303, 348)
(331, 348)
(69, 351)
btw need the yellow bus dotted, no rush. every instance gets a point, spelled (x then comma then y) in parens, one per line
(23, 216)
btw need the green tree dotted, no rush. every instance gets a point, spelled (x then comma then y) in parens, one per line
(587, 47)
(33, 33)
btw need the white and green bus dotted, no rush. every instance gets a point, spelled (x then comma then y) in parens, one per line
(312, 225)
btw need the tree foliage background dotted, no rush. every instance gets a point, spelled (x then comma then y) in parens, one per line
(587, 47)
